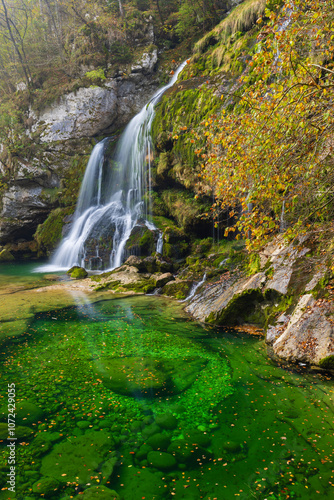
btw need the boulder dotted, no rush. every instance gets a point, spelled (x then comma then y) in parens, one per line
(161, 460)
(308, 336)
(141, 483)
(46, 487)
(166, 421)
(26, 413)
(77, 273)
(21, 432)
(162, 279)
(228, 302)
(159, 441)
(148, 377)
(6, 256)
(98, 492)
(77, 459)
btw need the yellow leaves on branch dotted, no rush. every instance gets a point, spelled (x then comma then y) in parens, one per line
(269, 152)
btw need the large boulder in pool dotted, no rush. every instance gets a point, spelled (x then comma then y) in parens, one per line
(76, 460)
(27, 413)
(148, 377)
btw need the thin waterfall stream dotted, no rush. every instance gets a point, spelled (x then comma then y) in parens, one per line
(112, 200)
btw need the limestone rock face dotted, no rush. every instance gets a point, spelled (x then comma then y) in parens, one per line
(23, 208)
(79, 114)
(309, 334)
(223, 302)
(96, 109)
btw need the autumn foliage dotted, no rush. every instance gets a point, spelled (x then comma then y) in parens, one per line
(269, 154)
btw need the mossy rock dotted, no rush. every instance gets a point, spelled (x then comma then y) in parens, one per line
(6, 256)
(46, 487)
(142, 241)
(159, 441)
(65, 462)
(187, 452)
(26, 413)
(242, 308)
(49, 234)
(161, 460)
(77, 273)
(148, 377)
(99, 492)
(327, 363)
(21, 432)
(166, 421)
(178, 289)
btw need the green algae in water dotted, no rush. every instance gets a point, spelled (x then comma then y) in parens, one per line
(244, 427)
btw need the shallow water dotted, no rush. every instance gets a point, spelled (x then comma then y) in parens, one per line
(244, 428)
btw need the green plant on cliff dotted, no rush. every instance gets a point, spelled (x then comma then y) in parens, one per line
(49, 234)
(272, 154)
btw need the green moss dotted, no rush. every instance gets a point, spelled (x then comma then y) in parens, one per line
(184, 208)
(96, 75)
(6, 256)
(327, 363)
(177, 289)
(141, 241)
(243, 308)
(254, 265)
(79, 273)
(49, 234)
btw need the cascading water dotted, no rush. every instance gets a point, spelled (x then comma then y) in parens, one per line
(112, 201)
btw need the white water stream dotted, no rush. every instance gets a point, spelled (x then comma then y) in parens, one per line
(111, 203)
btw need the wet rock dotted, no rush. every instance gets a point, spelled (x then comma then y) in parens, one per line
(6, 256)
(188, 453)
(46, 486)
(141, 454)
(162, 279)
(196, 436)
(148, 377)
(161, 460)
(178, 288)
(107, 468)
(232, 447)
(77, 273)
(67, 457)
(125, 279)
(159, 441)
(21, 432)
(230, 302)
(139, 483)
(166, 421)
(150, 429)
(100, 492)
(26, 413)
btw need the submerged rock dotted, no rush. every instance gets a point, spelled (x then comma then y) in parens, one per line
(26, 413)
(21, 432)
(100, 492)
(46, 486)
(148, 377)
(77, 459)
(141, 483)
(161, 460)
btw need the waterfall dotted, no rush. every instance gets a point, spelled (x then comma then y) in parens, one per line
(112, 200)
(194, 288)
